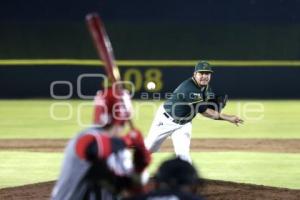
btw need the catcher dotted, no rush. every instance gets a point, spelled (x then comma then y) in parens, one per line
(97, 163)
(174, 117)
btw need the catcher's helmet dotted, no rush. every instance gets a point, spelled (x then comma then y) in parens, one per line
(112, 106)
(177, 172)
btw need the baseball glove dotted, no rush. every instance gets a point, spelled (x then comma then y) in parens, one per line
(218, 103)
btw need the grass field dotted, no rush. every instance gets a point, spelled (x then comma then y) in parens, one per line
(32, 119)
(280, 170)
(264, 119)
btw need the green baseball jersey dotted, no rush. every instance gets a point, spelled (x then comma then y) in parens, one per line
(187, 100)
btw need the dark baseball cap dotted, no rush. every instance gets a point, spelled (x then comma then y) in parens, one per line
(203, 66)
(177, 171)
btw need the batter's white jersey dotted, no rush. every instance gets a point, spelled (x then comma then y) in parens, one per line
(162, 127)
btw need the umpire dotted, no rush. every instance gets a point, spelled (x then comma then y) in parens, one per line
(174, 117)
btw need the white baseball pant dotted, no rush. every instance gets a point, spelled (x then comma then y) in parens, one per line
(163, 127)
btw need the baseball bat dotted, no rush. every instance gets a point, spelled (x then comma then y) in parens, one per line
(104, 48)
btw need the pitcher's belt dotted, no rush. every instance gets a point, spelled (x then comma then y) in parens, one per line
(177, 121)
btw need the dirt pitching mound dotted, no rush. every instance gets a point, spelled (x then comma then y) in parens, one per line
(211, 190)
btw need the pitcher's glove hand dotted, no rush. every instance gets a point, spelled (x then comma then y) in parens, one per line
(218, 103)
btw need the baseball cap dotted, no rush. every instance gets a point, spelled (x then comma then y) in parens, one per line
(203, 66)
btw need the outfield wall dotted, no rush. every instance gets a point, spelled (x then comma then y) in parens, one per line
(78, 79)
(152, 30)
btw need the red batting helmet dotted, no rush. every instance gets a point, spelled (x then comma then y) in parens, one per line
(112, 106)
